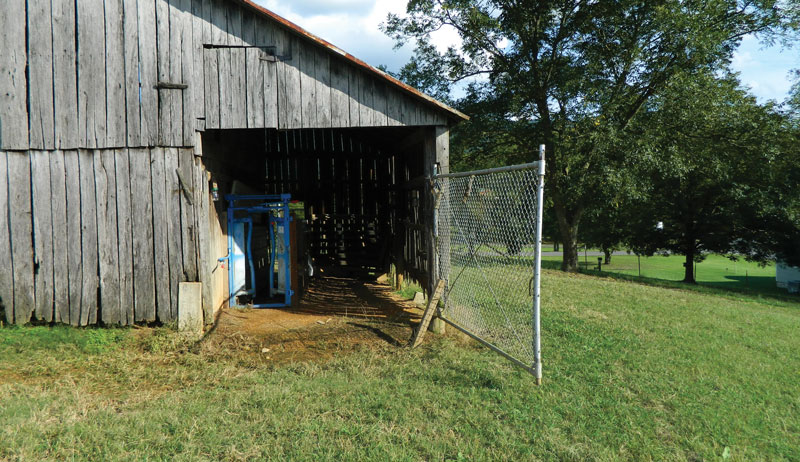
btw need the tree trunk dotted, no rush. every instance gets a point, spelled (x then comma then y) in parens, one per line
(607, 252)
(689, 267)
(568, 227)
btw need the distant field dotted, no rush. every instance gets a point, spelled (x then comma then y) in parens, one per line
(632, 372)
(715, 271)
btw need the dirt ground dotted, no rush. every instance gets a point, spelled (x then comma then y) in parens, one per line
(336, 315)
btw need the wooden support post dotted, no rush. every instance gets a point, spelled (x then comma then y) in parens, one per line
(433, 304)
(436, 152)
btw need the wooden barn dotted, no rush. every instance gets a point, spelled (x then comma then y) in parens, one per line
(125, 123)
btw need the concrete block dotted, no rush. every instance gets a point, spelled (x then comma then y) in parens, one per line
(190, 307)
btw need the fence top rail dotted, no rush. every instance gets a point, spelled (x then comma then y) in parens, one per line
(510, 168)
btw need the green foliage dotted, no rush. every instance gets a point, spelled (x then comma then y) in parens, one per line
(716, 173)
(572, 75)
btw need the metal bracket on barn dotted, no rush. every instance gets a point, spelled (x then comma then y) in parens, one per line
(241, 212)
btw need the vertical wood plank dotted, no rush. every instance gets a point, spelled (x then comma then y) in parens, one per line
(142, 225)
(124, 236)
(204, 255)
(19, 204)
(40, 73)
(379, 118)
(188, 72)
(367, 85)
(211, 90)
(90, 282)
(175, 53)
(188, 235)
(65, 89)
(323, 81)
(91, 74)
(255, 73)
(160, 237)
(394, 107)
(340, 99)
(199, 20)
(148, 72)
(131, 65)
(233, 97)
(58, 205)
(115, 75)
(6, 277)
(74, 260)
(174, 244)
(291, 104)
(306, 58)
(107, 235)
(225, 90)
(166, 97)
(354, 93)
(266, 36)
(42, 235)
(13, 84)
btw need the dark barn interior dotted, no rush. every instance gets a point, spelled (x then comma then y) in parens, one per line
(357, 193)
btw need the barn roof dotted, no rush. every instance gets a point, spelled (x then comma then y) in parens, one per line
(458, 115)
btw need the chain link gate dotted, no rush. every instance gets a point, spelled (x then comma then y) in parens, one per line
(488, 242)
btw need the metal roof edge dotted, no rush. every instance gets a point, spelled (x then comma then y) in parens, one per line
(320, 41)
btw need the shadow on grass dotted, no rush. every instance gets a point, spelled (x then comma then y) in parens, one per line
(760, 289)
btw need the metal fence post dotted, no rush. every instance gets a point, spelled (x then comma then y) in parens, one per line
(537, 276)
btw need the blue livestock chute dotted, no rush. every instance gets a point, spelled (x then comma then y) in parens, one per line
(244, 211)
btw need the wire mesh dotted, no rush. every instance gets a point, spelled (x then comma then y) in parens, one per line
(486, 248)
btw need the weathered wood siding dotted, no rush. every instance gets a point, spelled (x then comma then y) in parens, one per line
(105, 74)
(88, 238)
(104, 198)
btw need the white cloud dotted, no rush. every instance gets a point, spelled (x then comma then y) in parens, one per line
(354, 26)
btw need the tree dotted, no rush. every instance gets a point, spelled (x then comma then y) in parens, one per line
(575, 74)
(718, 171)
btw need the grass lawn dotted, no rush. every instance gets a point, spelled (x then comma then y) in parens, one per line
(632, 372)
(715, 271)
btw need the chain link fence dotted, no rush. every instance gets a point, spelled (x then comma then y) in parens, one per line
(488, 246)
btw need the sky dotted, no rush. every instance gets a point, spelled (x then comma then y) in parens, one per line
(353, 26)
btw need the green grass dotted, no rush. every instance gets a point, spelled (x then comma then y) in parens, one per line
(632, 372)
(714, 271)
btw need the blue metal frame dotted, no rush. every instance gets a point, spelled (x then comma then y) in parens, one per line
(277, 209)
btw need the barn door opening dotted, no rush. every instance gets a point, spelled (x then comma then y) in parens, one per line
(488, 241)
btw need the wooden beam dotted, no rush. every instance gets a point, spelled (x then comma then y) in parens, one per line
(432, 308)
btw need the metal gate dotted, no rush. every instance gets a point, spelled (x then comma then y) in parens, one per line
(488, 246)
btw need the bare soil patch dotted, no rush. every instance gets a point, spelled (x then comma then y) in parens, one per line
(336, 315)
